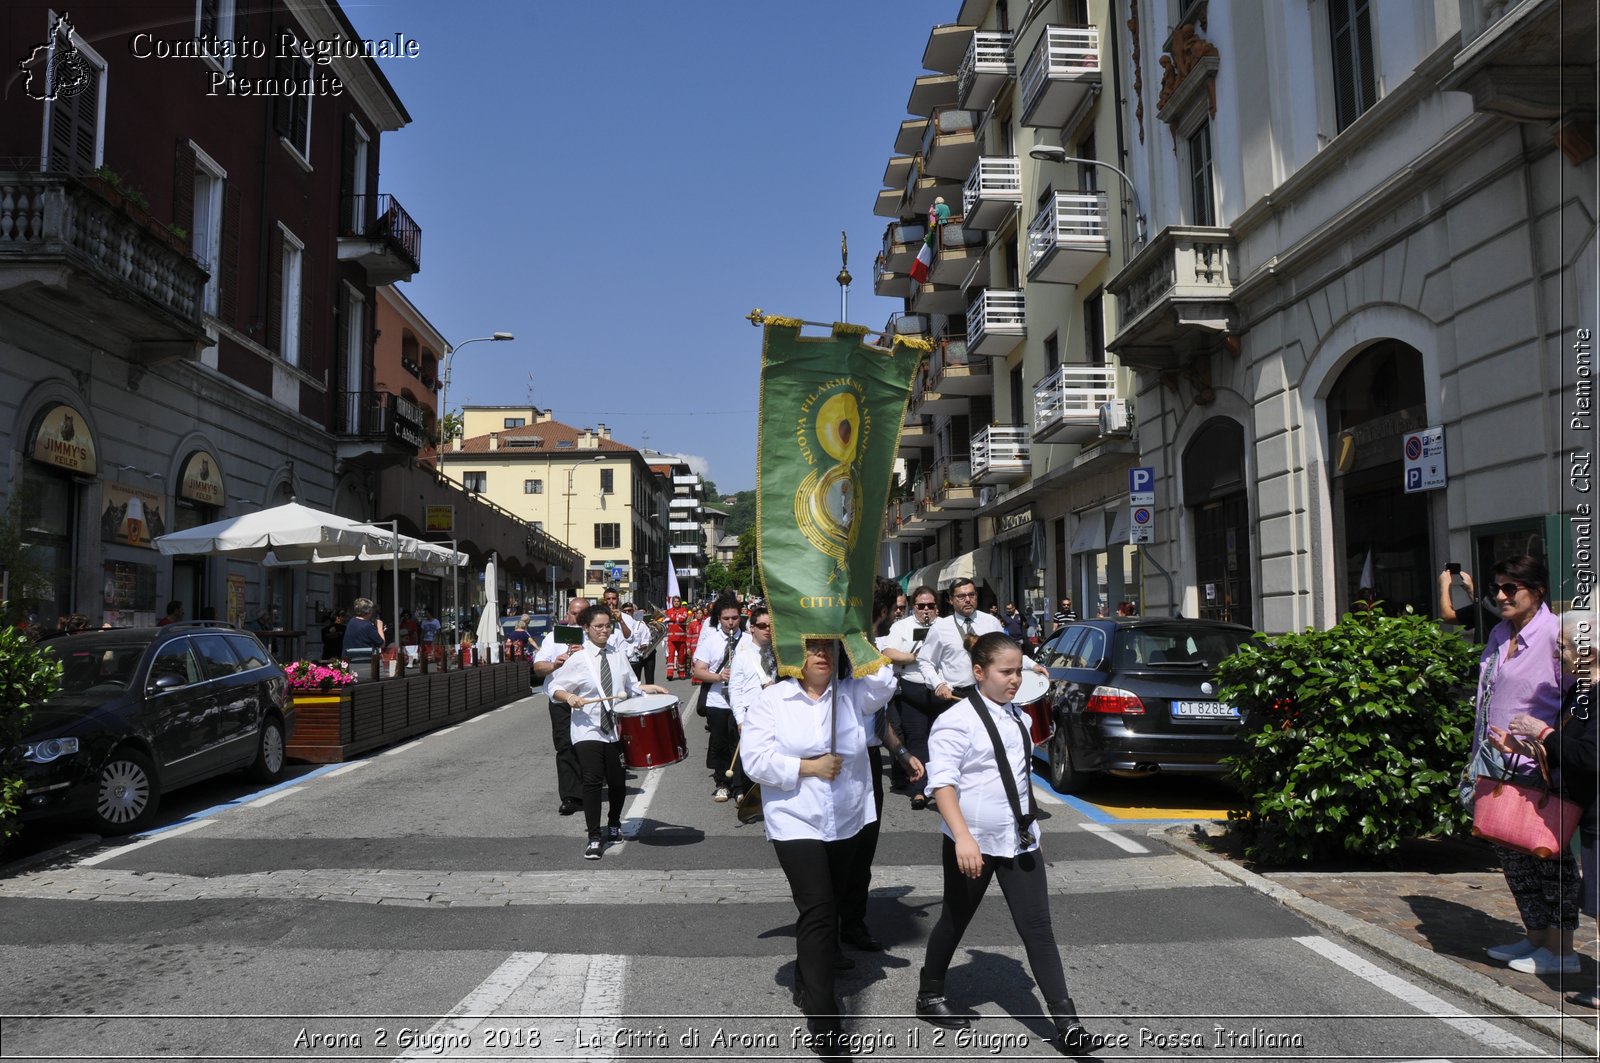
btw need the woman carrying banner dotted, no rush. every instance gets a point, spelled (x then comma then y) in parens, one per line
(979, 773)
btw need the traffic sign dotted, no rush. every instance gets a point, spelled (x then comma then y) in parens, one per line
(1424, 459)
(1141, 479)
(1142, 524)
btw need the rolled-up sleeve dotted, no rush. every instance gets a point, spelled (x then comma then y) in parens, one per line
(947, 748)
(764, 760)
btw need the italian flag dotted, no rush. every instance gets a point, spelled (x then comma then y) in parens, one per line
(924, 262)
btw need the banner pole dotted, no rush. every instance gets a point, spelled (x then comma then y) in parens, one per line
(833, 715)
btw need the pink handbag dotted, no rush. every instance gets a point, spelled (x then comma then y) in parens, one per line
(1528, 818)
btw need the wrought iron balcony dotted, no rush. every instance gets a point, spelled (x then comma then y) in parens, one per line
(1001, 453)
(1059, 74)
(993, 190)
(1067, 238)
(73, 252)
(1067, 406)
(996, 322)
(376, 428)
(1174, 298)
(987, 67)
(388, 247)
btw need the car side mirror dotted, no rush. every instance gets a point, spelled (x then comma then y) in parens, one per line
(163, 683)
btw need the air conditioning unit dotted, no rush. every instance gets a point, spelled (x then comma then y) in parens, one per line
(1115, 418)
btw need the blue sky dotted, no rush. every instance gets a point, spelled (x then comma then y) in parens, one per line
(620, 183)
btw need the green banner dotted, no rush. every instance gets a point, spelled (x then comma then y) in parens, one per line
(831, 411)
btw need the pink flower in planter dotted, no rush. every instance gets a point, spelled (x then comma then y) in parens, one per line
(310, 675)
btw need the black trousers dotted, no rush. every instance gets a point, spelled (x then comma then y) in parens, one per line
(918, 709)
(1022, 880)
(719, 747)
(602, 765)
(569, 784)
(645, 668)
(819, 875)
(853, 905)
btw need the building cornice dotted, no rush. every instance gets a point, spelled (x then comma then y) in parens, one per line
(362, 78)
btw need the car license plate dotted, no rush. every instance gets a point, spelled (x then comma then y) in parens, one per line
(1204, 710)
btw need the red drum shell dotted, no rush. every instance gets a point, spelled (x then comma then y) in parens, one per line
(1041, 721)
(651, 737)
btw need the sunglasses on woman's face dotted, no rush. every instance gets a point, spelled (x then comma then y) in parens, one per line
(1508, 589)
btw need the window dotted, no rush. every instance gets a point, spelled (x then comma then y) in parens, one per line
(353, 179)
(213, 21)
(292, 114)
(74, 122)
(1350, 27)
(354, 338)
(291, 277)
(206, 229)
(564, 444)
(1052, 352)
(515, 422)
(1016, 395)
(475, 483)
(1094, 329)
(533, 487)
(607, 481)
(608, 536)
(1203, 209)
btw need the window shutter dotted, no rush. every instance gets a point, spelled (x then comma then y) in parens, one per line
(228, 286)
(74, 125)
(282, 68)
(347, 180)
(183, 164)
(275, 291)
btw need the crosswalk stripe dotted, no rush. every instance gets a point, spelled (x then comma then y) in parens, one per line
(1125, 844)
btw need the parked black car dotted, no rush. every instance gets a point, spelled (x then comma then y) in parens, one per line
(1134, 696)
(143, 711)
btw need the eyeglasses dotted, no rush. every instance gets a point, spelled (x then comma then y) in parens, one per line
(1508, 589)
(927, 605)
(761, 627)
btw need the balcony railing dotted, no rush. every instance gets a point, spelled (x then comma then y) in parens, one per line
(1001, 453)
(1175, 295)
(1067, 238)
(987, 66)
(381, 417)
(996, 322)
(950, 144)
(992, 191)
(1057, 77)
(389, 246)
(1066, 407)
(951, 482)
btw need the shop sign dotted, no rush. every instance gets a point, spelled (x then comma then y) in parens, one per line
(130, 594)
(62, 439)
(439, 519)
(132, 515)
(405, 423)
(200, 480)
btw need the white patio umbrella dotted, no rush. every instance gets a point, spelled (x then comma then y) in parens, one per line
(291, 531)
(489, 622)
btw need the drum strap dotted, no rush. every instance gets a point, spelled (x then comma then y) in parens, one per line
(1024, 822)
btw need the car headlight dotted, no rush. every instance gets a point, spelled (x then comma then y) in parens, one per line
(50, 749)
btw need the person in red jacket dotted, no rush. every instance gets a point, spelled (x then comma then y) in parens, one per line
(677, 640)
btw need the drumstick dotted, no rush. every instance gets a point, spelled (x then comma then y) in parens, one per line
(729, 773)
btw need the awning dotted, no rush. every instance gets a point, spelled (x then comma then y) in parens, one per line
(941, 574)
(1091, 534)
(1119, 527)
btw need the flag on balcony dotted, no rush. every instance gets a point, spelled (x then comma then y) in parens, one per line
(938, 214)
(831, 410)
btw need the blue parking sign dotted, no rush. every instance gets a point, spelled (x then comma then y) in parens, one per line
(1141, 480)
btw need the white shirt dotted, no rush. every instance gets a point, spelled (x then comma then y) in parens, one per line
(900, 638)
(784, 727)
(581, 676)
(944, 657)
(549, 650)
(708, 651)
(630, 641)
(747, 678)
(960, 754)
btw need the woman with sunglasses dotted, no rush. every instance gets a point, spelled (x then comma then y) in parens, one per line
(1520, 688)
(918, 709)
(816, 799)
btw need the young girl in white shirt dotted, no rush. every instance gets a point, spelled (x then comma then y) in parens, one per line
(983, 838)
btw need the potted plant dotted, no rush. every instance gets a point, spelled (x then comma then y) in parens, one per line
(304, 676)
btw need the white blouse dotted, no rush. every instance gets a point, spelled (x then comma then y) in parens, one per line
(581, 676)
(708, 651)
(785, 726)
(900, 638)
(746, 679)
(960, 754)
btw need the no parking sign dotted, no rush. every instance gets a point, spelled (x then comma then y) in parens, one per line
(1424, 459)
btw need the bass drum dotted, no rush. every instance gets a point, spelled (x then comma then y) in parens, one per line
(652, 731)
(1033, 698)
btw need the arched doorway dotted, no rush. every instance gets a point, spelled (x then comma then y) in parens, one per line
(1214, 493)
(1381, 533)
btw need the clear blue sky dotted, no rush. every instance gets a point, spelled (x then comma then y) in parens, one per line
(620, 183)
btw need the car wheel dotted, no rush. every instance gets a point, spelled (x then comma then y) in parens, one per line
(1063, 778)
(268, 766)
(128, 794)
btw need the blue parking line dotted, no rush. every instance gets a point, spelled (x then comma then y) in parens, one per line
(207, 813)
(1095, 814)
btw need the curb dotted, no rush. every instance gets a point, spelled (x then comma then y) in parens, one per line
(28, 863)
(1408, 955)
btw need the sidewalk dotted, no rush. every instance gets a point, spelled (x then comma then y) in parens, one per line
(1434, 918)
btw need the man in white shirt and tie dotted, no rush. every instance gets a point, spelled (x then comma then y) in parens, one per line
(551, 656)
(713, 663)
(944, 662)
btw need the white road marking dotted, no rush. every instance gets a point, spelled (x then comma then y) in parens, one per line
(446, 731)
(276, 796)
(1424, 1001)
(352, 766)
(401, 749)
(636, 809)
(112, 854)
(1125, 844)
(526, 986)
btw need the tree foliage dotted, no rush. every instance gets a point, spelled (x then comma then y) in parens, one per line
(28, 676)
(738, 574)
(1355, 736)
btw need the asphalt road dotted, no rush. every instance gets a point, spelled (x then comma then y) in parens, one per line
(428, 902)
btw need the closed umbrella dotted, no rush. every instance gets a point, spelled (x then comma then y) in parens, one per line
(489, 622)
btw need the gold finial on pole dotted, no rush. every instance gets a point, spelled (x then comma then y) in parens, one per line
(757, 317)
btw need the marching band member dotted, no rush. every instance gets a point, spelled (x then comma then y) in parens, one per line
(944, 661)
(590, 684)
(980, 766)
(713, 660)
(918, 709)
(552, 655)
(755, 667)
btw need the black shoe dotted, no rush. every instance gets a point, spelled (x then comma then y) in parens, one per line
(919, 802)
(859, 937)
(932, 1007)
(569, 807)
(614, 833)
(592, 850)
(841, 962)
(1071, 1038)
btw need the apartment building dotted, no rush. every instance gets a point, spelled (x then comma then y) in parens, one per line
(687, 544)
(1016, 443)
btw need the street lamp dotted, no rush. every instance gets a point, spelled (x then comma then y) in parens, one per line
(1047, 153)
(444, 389)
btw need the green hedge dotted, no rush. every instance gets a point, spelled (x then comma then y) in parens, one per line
(1355, 736)
(28, 675)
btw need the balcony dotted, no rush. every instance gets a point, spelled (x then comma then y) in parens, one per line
(946, 45)
(1067, 406)
(686, 479)
(901, 242)
(1175, 298)
(890, 203)
(951, 371)
(992, 191)
(684, 526)
(684, 502)
(1001, 454)
(96, 266)
(686, 549)
(689, 573)
(988, 65)
(1059, 75)
(930, 92)
(959, 249)
(909, 140)
(950, 146)
(1067, 238)
(996, 322)
(922, 188)
(916, 434)
(390, 247)
(909, 325)
(377, 429)
(938, 299)
(951, 481)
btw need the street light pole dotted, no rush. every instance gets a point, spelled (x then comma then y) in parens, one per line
(1052, 154)
(444, 388)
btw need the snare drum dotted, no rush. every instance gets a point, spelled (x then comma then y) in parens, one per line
(652, 731)
(1033, 699)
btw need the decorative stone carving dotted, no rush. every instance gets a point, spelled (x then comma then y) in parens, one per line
(1138, 71)
(1188, 65)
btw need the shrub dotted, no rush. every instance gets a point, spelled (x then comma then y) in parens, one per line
(28, 675)
(1355, 736)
